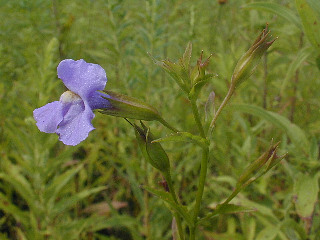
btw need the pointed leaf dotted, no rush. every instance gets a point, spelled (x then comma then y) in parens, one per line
(187, 55)
(227, 209)
(9, 208)
(69, 201)
(278, 9)
(184, 137)
(269, 233)
(306, 190)
(58, 183)
(165, 196)
(301, 56)
(310, 22)
(295, 133)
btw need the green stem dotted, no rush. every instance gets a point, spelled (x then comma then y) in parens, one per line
(223, 104)
(197, 117)
(202, 179)
(166, 124)
(168, 178)
(192, 234)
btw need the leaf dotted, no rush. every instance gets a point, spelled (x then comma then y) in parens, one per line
(227, 209)
(315, 5)
(290, 224)
(184, 137)
(314, 149)
(103, 208)
(295, 133)
(269, 233)
(301, 56)
(70, 201)
(58, 183)
(261, 209)
(310, 22)
(187, 56)
(9, 208)
(276, 9)
(306, 190)
(19, 183)
(115, 222)
(209, 107)
(201, 82)
(174, 70)
(165, 196)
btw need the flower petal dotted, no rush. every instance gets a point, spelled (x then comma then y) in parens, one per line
(76, 124)
(96, 100)
(81, 77)
(48, 117)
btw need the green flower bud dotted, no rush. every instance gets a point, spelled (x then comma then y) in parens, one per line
(153, 152)
(248, 62)
(129, 107)
(268, 159)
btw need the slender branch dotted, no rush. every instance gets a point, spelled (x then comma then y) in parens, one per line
(166, 124)
(58, 26)
(202, 179)
(223, 104)
(197, 117)
(168, 178)
(265, 87)
(295, 86)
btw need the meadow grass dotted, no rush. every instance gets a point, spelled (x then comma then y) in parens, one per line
(95, 190)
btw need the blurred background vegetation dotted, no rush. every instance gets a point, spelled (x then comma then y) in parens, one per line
(92, 191)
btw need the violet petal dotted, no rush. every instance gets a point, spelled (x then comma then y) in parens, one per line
(76, 124)
(48, 117)
(81, 77)
(96, 100)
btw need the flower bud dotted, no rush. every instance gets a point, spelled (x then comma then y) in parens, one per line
(248, 62)
(153, 152)
(129, 107)
(269, 159)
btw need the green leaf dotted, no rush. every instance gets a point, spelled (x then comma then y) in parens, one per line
(187, 56)
(227, 209)
(173, 70)
(306, 190)
(19, 183)
(184, 137)
(315, 5)
(266, 211)
(295, 133)
(269, 233)
(290, 224)
(69, 201)
(276, 9)
(58, 183)
(9, 208)
(318, 62)
(195, 90)
(165, 196)
(310, 22)
(301, 56)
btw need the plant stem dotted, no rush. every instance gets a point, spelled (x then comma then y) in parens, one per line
(202, 179)
(295, 86)
(223, 104)
(197, 117)
(265, 86)
(166, 124)
(168, 178)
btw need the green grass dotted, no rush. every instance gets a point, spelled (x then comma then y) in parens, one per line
(50, 191)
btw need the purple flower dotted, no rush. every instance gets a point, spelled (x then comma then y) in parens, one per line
(71, 116)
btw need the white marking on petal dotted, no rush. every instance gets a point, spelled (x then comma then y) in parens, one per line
(70, 97)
